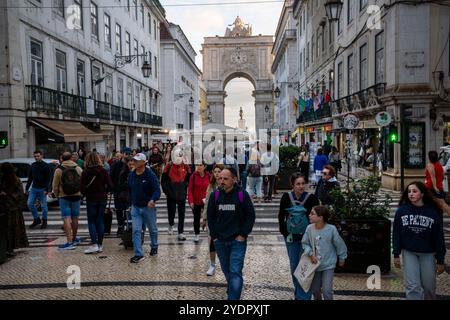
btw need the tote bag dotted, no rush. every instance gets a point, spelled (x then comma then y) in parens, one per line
(306, 269)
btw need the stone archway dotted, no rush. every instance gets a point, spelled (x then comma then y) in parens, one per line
(239, 54)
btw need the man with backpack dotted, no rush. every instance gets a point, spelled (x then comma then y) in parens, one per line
(66, 187)
(174, 182)
(293, 218)
(231, 217)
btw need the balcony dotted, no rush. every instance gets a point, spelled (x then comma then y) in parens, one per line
(55, 103)
(321, 113)
(359, 101)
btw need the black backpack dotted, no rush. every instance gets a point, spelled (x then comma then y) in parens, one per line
(70, 180)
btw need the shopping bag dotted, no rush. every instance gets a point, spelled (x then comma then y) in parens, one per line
(306, 269)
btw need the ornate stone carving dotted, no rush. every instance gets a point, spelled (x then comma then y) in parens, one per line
(239, 30)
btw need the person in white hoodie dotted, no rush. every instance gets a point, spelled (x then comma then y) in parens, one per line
(326, 184)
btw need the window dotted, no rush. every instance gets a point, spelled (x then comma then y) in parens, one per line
(37, 70)
(154, 29)
(127, 44)
(340, 81)
(150, 61)
(81, 78)
(61, 71)
(313, 49)
(59, 7)
(119, 39)
(307, 55)
(339, 24)
(95, 77)
(137, 97)
(109, 88)
(379, 58)
(135, 9)
(319, 42)
(136, 51)
(349, 12)
(143, 53)
(149, 23)
(156, 67)
(107, 31)
(350, 75)
(144, 105)
(363, 67)
(129, 95)
(128, 5)
(120, 92)
(301, 63)
(300, 33)
(142, 15)
(331, 33)
(94, 20)
(362, 4)
(77, 14)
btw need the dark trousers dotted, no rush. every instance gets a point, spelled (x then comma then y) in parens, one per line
(95, 215)
(268, 186)
(304, 168)
(121, 208)
(197, 211)
(172, 207)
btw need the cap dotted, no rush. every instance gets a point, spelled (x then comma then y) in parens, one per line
(140, 157)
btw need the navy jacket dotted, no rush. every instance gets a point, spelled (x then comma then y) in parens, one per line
(39, 175)
(229, 218)
(143, 188)
(419, 229)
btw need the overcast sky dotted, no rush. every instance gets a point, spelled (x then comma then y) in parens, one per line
(208, 18)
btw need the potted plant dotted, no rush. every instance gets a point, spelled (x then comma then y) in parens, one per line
(288, 165)
(362, 219)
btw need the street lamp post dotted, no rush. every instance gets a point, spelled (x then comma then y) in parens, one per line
(333, 9)
(121, 61)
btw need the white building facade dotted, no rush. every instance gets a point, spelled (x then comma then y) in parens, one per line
(65, 82)
(180, 79)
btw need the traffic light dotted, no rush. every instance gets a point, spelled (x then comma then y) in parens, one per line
(393, 135)
(3, 139)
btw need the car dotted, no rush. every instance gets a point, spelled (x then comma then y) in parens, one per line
(23, 165)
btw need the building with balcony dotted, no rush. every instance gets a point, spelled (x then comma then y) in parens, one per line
(284, 69)
(180, 79)
(71, 75)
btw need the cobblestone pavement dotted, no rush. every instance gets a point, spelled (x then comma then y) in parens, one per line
(177, 273)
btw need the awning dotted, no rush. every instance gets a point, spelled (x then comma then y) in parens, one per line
(71, 131)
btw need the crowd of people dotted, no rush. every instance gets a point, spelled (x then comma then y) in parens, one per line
(217, 196)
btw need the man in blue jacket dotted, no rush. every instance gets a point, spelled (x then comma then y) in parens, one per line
(231, 217)
(144, 192)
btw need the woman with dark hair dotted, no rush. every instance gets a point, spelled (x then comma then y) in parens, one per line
(11, 199)
(435, 175)
(298, 202)
(419, 236)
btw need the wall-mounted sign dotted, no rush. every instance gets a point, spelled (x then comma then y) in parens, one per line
(351, 121)
(383, 119)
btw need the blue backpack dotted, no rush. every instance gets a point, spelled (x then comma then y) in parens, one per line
(297, 220)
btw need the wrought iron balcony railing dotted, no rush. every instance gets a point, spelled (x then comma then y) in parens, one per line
(322, 113)
(359, 100)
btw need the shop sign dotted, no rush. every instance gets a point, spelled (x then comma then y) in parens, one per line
(383, 119)
(351, 121)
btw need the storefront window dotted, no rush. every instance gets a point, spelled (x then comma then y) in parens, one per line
(415, 148)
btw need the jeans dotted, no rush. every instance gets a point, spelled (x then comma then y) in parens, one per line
(231, 255)
(148, 217)
(419, 270)
(268, 187)
(171, 208)
(243, 176)
(69, 209)
(322, 284)
(38, 194)
(96, 223)
(197, 211)
(255, 183)
(295, 251)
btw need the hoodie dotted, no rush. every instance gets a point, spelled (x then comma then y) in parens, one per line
(228, 217)
(419, 229)
(97, 190)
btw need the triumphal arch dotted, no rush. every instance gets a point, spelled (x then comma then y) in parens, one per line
(239, 54)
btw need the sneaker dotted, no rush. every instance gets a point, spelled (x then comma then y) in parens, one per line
(67, 246)
(100, 249)
(154, 251)
(35, 223)
(44, 224)
(91, 249)
(137, 259)
(211, 270)
(196, 238)
(181, 237)
(170, 231)
(76, 241)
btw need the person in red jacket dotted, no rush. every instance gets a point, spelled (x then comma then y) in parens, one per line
(198, 184)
